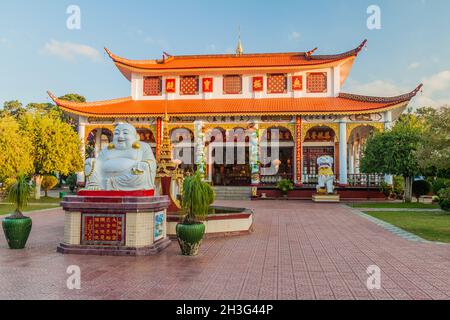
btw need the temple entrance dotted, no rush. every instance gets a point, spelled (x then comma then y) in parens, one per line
(229, 156)
(319, 141)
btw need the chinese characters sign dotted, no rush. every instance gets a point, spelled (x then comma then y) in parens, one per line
(170, 86)
(297, 83)
(207, 85)
(103, 229)
(258, 84)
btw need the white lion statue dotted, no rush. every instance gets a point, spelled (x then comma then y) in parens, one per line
(326, 175)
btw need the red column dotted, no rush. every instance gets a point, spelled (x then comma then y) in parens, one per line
(298, 150)
(159, 137)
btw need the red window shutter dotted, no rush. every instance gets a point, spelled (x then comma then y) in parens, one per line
(189, 85)
(232, 84)
(152, 86)
(277, 83)
(317, 82)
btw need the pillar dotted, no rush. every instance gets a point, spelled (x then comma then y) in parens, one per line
(82, 137)
(159, 137)
(199, 138)
(388, 125)
(254, 155)
(351, 160)
(298, 151)
(98, 141)
(343, 180)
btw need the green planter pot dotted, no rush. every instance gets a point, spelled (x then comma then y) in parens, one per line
(17, 231)
(190, 237)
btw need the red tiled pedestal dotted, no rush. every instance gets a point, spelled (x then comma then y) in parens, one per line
(115, 223)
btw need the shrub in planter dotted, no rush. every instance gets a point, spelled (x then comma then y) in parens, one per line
(444, 199)
(197, 198)
(16, 226)
(420, 188)
(285, 186)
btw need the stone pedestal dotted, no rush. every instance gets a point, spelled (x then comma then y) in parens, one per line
(115, 223)
(326, 198)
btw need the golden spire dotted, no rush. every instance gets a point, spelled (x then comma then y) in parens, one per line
(239, 49)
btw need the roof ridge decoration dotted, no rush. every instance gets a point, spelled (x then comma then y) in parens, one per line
(400, 98)
(240, 60)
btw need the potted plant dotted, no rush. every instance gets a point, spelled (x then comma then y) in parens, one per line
(285, 186)
(197, 198)
(17, 227)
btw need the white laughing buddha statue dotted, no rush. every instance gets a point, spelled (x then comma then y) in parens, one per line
(125, 165)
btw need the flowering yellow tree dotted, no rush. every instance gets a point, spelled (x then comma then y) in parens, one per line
(56, 146)
(15, 150)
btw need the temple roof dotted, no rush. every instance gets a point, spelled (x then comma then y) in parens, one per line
(344, 104)
(231, 61)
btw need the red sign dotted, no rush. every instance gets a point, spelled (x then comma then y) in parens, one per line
(207, 85)
(170, 85)
(107, 229)
(297, 83)
(258, 84)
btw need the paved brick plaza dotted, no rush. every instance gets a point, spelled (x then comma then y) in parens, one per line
(299, 250)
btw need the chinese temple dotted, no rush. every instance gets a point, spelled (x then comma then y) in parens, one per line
(297, 93)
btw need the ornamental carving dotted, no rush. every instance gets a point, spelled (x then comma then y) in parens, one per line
(307, 126)
(379, 126)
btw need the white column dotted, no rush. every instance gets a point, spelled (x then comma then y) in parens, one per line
(351, 159)
(199, 138)
(388, 125)
(343, 153)
(81, 136)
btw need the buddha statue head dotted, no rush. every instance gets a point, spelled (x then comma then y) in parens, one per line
(125, 137)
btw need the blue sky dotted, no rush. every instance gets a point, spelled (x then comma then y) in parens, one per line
(38, 52)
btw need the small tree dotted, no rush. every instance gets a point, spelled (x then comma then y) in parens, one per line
(48, 183)
(56, 146)
(15, 150)
(395, 152)
(197, 198)
(18, 194)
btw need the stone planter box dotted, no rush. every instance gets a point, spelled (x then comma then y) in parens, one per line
(237, 221)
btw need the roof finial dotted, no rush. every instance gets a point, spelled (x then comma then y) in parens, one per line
(239, 49)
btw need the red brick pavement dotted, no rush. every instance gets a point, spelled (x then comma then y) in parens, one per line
(299, 250)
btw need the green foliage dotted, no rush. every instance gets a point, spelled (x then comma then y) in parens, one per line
(15, 150)
(72, 182)
(197, 198)
(444, 199)
(56, 146)
(48, 183)
(285, 186)
(18, 194)
(439, 184)
(399, 187)
(434, 153)
(13, 108)
(421, 188)
(386, 189)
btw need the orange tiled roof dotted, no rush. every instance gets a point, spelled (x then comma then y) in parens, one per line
(290, 59)
(344, 104)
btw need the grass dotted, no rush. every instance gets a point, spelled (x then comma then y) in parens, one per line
(433, 226)
(33, 205)
(395, 205)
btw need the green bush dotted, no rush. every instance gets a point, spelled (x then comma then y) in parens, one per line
(420, 188)
(197, 198)
(439, 184)
(72, 182)
(399, 187)
(386, 189)
(285, 186)
(444, 199)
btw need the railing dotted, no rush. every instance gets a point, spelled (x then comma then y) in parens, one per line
(365, 180)
(311, 180)
(273, 180)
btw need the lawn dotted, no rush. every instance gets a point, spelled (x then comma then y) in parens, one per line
(433, 226)
(33, 205)
(395, 205)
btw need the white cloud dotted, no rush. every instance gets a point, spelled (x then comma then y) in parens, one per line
(435, 92)
(70, 51)
(414, 65)
(294, 36)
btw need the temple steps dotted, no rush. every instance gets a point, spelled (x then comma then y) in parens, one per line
(233, 193)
